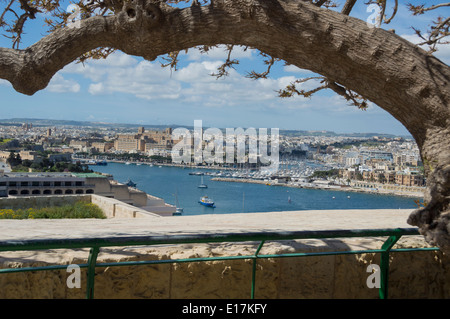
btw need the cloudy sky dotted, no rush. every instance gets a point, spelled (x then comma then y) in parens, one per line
(127, 89)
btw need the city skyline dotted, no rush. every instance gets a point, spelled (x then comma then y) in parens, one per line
(123, 127)
(127, 89)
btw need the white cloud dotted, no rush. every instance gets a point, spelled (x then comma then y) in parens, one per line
(96, 88)
(143, 79)
(4, 82)
(294, 69)
(191, 85)
(96, 69)
(60, 85)
(199, 72)
(219, 53)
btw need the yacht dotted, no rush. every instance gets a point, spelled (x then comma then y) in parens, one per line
(178, 212)
(206, 201)
(202, 185)
(178, 209)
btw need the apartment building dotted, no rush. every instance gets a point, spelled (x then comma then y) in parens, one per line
(409, 179)
(145, 141)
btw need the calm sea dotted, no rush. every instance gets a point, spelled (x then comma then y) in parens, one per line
(172, 183)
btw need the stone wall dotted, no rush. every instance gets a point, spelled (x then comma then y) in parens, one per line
(412, 275)
(112, 208)
(24, 202)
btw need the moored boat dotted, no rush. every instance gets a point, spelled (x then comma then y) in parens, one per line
(202, 184)
(206, 201)
(178, 212)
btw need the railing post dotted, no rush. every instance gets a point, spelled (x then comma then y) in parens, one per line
(91, 272)
(255, 256)
(384, 265)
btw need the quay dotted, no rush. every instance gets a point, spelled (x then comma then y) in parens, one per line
(415, 192)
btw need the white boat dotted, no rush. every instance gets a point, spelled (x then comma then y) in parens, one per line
(178, 209)
(206, 201)
(178, 212)
(202, 185)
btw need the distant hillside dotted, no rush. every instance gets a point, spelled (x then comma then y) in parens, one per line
(47, 122)
(331, 134)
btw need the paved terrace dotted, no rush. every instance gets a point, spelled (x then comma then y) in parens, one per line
(19, 230)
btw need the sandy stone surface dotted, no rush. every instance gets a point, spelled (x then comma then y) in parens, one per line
(11, 230)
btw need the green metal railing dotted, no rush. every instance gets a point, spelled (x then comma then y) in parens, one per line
(96, 243)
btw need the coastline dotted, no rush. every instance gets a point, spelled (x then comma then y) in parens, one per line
(184, 166)
(329, 188)
(381, 190)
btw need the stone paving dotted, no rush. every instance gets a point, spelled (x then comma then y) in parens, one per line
(19, 230)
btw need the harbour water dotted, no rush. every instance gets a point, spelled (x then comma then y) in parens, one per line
(175, 183)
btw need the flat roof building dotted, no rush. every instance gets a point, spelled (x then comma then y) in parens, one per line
(51, 184)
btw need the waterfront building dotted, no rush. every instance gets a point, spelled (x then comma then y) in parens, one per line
(102, 147)
(383, 175)
(145, 141)
(411, 178)
(79, 145)
(350, 174)
(51, 184)
(128, 143)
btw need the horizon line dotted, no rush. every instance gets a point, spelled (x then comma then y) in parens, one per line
(3, 121)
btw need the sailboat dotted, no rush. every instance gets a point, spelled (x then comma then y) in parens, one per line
(178, 209)
(202, 185)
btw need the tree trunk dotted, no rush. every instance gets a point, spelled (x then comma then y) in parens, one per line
(379, 65)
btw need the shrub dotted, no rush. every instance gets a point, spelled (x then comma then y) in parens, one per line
(76, 210)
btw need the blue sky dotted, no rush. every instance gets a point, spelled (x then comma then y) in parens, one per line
(126, 89)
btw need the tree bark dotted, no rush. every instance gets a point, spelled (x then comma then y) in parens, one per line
(377, 64)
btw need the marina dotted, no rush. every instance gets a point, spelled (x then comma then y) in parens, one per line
(234, 192)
